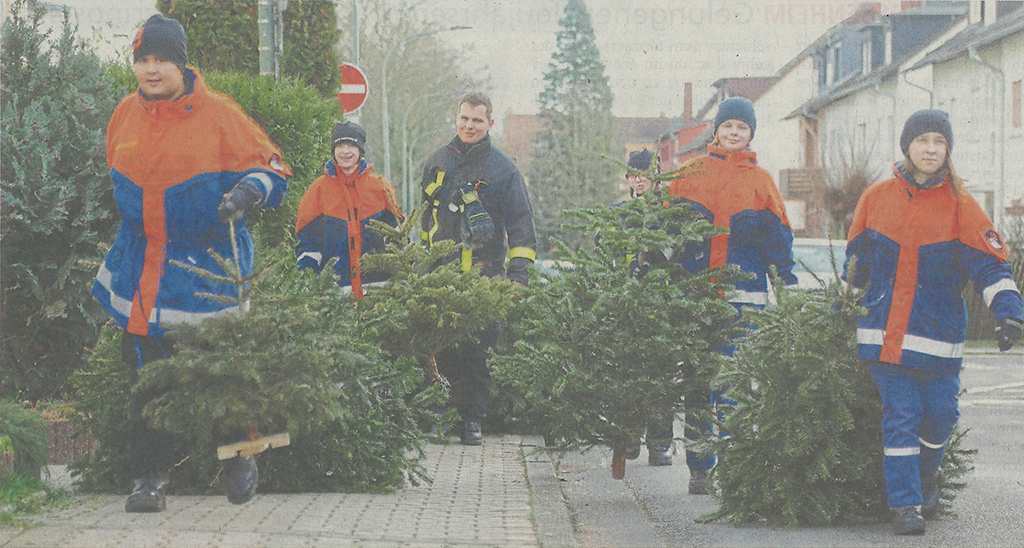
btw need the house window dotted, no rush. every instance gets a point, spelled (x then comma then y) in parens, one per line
(1016, 103)
(865, 56)
(888, 45)
(833, 64)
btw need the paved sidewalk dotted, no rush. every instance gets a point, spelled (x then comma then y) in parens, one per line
(500, 494)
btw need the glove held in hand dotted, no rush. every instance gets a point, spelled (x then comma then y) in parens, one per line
(238, 201)
(477, 228)
(1008, 332)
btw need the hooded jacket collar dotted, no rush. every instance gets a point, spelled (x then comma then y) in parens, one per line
(331, 170)
(901, 172)
(743, 158)
(467, 152)
(195, 93)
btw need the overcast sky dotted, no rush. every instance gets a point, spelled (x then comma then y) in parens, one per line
(650, 48)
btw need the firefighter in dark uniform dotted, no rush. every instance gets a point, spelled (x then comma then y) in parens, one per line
(476, 195)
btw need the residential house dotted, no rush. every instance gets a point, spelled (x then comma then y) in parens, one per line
(849, 129)
(976, 76)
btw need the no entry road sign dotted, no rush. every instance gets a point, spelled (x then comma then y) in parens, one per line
(353, 88)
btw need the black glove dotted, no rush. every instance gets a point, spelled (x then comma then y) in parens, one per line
(637, 270)
(1008, 332)
(477, 227)
(238, 201)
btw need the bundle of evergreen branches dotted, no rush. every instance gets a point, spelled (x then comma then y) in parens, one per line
(428, 304)
(603, 352)
(805, 444)
(297, 361)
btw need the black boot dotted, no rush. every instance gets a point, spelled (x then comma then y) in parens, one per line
(907, 520)
(698, 482)
(240, 479)
(929, 495)
(148, 495)
(659, 454)
(471, 432)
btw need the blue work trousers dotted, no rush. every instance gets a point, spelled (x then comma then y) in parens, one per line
(919, 411)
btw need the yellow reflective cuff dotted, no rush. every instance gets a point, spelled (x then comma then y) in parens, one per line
(467, 259)
(522, 253)
(423, 235)
(630, 257)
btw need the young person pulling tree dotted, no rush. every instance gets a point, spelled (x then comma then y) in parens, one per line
(733, 192)
(185, 162)
(917, 238)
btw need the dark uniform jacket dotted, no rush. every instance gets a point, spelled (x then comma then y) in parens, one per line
(502, 191)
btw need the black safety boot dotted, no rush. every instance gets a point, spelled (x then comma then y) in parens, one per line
(698, 482)
(633, 453)
(659, 454)
(929, 495)
(471, 433)
(148, 495)
(240, 479)
(907, 520)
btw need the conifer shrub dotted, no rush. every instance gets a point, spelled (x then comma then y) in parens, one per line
(57, 206)
(805, 438)
(601, 352)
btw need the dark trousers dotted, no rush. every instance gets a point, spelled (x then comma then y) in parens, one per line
(465, 367)
(151, 451)
(660, 432)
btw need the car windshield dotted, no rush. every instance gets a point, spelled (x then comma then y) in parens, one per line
(816, 256)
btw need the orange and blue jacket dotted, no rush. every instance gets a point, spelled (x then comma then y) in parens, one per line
(171, 162)
(733, 192)
(333, 221)
(915, 249)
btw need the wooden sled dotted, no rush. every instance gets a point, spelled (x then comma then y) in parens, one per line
(252, 446)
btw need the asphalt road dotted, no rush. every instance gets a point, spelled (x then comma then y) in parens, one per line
(650, 507)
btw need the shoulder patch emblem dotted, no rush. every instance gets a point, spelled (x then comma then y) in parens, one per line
(994, 241)
(275, 162)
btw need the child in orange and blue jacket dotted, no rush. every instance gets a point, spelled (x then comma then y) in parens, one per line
(917, 238)
(733, 192)
(335, 212)
(186, 163)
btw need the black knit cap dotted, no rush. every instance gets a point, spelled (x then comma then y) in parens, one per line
(924, 121)
(640, 159)
(162, 37)
(349, 132)
(736, 108)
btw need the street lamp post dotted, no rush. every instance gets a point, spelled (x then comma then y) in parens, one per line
(385, 118)
(407, 194)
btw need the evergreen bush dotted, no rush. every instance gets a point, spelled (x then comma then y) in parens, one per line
(57, 204)
(26, 432)
(805, 438)
(600, 352)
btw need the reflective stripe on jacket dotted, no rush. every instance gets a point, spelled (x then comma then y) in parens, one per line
(733, 192)
(332, 204)
(502, 191)
(915, 250)
(171, 162)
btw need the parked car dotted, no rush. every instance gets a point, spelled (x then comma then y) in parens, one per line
(813, 258)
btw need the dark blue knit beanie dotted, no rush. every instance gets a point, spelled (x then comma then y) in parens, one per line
(736, 108)
(162, 37)
(924, 121)
(640, 159)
